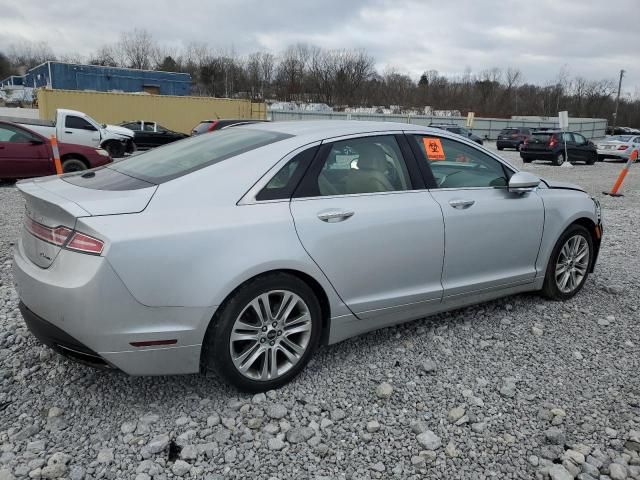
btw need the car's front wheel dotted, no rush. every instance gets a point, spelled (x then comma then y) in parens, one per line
(569, 264)
(265, 333)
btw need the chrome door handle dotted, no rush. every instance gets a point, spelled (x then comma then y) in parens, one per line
(332, 216)
(461, 204)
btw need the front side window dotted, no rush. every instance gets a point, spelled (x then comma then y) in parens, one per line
(148, 127)
(580, 140)
(363, 165)
(567, 137)
(180, 158)
(77, 122)
(457, 165)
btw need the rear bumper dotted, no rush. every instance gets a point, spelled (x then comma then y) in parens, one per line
(59, 340)
(508, 143)
(81, 308)
(612, 154)
(538, 154)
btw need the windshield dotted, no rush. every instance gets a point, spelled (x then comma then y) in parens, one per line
(186, 156)
(621, 138)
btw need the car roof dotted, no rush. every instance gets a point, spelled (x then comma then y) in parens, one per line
(333, 128)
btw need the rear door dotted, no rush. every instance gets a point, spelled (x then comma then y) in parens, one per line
(492, 236)
(362, 214)
(23, 154)
(574, 153)
(585, 149)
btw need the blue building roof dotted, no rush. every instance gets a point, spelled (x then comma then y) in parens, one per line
(71, 76)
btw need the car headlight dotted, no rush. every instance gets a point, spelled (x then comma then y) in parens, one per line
(102, 152)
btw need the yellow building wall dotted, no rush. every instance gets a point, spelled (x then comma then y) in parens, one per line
(172, 112)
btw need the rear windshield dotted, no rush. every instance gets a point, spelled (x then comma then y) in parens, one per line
(509, 130)
(621, 138)
(542, 136)
(179, 158)
(202, 127)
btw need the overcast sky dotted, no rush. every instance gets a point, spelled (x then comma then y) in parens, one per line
(591, 38)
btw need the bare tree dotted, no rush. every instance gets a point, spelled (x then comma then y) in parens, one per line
(137, 48)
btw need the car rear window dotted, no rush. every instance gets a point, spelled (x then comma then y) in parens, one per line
(542, 136)
(509, 130)
(177, 159)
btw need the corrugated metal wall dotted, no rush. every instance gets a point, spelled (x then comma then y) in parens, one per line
(173, 112)
(483, 127)
(67, 76)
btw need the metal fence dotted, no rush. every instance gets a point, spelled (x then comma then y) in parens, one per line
(483, 127)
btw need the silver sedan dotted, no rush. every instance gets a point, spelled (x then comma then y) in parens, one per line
(244, 250)
(617, 147)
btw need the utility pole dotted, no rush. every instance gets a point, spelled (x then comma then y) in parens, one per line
(615, 114)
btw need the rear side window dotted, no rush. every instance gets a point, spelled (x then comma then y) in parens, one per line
(177, 159)
(283, 183)
(77, 122)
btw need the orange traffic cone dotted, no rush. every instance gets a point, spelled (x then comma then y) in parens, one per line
(616, 186)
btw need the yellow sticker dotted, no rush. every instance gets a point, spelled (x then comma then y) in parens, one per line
(433, 147)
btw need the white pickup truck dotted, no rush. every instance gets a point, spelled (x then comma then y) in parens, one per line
(79, 128)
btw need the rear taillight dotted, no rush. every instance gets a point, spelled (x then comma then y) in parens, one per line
(84, 243)
(212, 126)
(64, 237)
(623, 147)
(553, 141)
(55, 235)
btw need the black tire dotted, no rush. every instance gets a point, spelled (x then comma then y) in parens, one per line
(601, 158)
(73, 164)
(592, 159)
(550, 288)
(526, 160)
(559, 159)
(216, 354)
(115, 149)
(501, 148)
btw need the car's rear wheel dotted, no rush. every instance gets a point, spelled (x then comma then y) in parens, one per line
(559, 159)
(73, 165)
(569, 264)
(265, 333)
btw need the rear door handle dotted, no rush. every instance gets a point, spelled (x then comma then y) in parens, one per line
(461, 204)
(333, 216)
(67, 131)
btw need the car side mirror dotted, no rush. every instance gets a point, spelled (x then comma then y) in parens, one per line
(522, 182)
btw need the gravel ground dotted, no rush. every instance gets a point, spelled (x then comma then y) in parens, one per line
(515, 388)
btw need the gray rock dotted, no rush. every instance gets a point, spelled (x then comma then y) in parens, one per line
(275, 444)
(6, 474)
(337, 414)
(373, 426)
(617, 471)
(258, 398)
(276, 411)
(455, 414)
(299, 434)
(508, 390)
(378, 467)
(429, 366)
(384, 391)
(429, 440)
(558, 472)
(555, 436)
(105, 455)
(158, 444)
(419, 426)
(189, 452)
(478, 427)
(180, 468)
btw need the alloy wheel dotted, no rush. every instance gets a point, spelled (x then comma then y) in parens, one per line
(270, 335)
(572, 264)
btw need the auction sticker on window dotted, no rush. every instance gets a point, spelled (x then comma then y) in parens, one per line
(433, 147)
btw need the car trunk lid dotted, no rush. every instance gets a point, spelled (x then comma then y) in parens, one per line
(54, 203)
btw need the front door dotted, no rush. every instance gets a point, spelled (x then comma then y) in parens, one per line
(492, 236)
(379, 241)
(23, 154)
(80, 132)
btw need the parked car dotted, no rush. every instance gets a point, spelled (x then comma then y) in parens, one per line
(211, 125)
(622, 131)
(512, 137)
(453, 128)
(24, 154)
(618, 147)
(150, 134)
(241, 252)
(550, 145)
(79, 128)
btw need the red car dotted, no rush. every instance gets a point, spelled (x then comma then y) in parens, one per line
(24, 154)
